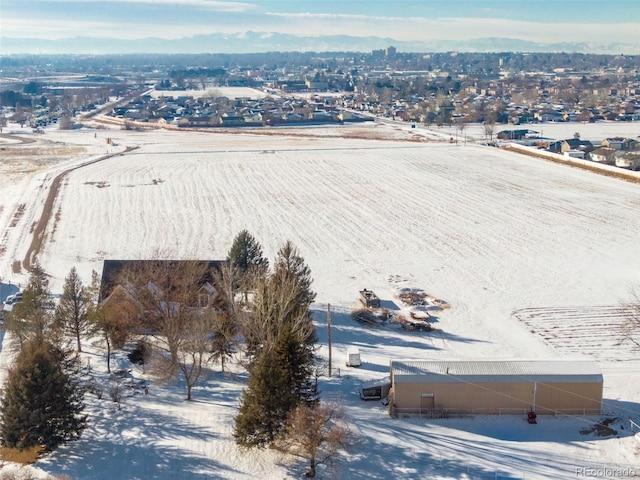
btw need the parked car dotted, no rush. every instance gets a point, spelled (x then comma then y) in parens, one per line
(13, 299)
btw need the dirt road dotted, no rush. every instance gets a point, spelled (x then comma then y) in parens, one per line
(38, 231)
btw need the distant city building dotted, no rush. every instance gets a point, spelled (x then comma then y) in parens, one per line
(388, 52)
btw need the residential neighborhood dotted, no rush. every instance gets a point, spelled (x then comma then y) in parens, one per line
(512, 95)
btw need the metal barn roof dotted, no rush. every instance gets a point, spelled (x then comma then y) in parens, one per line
(496, 370)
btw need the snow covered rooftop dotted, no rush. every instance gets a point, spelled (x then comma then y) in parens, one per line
(577, 370)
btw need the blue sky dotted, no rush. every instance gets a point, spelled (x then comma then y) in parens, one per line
(536, 20)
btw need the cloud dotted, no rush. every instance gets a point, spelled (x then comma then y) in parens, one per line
(205, 4)
(452, 28)
(171, 19)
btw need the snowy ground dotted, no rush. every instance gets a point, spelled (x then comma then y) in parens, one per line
(212, 91)
(512, 243)
(594, 132)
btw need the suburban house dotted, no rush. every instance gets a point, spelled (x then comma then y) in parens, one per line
(550, 116)
(201, 121)
(439, 388)
(603, 155)
(561, 146)
(519, 134)
(114, 290)
(620, 143)
(630, 160)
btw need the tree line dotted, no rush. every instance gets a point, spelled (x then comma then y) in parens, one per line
(184, 315)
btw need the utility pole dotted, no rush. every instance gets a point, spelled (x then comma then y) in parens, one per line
(329, 334)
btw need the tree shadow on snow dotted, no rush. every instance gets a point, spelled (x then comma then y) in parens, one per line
(123, 446)
(347, 331)
(411, 449)
(389, 304)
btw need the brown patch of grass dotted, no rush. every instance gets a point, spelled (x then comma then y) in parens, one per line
(47, 150)
(17, 266)
(601, 429)
(24, 457)
(369, 317)
(55, 222)
(100, 184)
(17, 215)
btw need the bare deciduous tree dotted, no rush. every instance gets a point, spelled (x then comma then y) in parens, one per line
(178, 312)
(226, 316)
(276, 306)
(115, 319)
(317, 434)
(166, 292)
(194, 349)
(71, 312)
(630, 331)
(490, 126)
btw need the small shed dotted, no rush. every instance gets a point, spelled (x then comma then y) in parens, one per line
(353, 357)
(496, 387)
(375, 389)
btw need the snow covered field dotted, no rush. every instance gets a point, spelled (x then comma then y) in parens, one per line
(512, 243)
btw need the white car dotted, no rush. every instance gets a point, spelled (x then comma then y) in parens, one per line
(13, 299)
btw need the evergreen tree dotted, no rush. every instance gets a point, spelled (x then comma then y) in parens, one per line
(32, 318)
(224, 334)
(290, 265)
(297, 362)
(281, 339)
(71, 313)
(245, 258)
(265, 403)
(290, 268)
(41, 405)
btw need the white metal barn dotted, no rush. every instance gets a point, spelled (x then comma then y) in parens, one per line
(495, 387)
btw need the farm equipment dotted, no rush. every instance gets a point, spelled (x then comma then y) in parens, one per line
(369, 299)
(419, 326)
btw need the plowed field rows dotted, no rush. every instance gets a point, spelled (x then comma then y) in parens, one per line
(475, 225)
(595, 331)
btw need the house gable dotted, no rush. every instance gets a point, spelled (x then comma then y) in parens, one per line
(112, 269)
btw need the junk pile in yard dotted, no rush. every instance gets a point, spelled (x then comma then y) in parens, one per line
(371, 314)
(415, 312)
(419, 305)
(369, 317)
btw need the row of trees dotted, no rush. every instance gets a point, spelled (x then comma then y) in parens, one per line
(42, 402)
(192, 314)
(280, 405)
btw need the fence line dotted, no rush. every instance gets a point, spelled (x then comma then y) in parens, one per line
(450, 412)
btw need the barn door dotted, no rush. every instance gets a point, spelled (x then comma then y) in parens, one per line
(426, 402)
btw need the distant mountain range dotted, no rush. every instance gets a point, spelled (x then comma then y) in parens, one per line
(253, 42)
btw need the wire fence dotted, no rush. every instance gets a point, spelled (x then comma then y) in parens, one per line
(459, 413)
